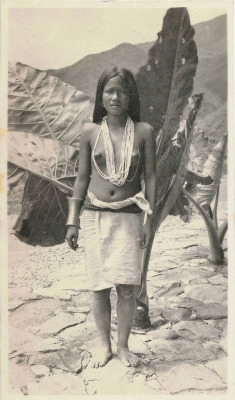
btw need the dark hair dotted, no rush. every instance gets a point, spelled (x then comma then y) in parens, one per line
(129, 81)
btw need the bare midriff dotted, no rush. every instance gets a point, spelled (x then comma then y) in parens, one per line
(106, 191)
(103, 189)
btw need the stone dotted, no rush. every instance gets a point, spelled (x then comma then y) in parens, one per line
(224, 344)
(155, 309)
(114, 379)
(198, 329)
(221, 323)
(188, 377)
(185, 280)
(81, 333)
(220, 366)
(21, 341)
(154, 384)
(156, 322)
(177, 314)
(210, 310)
(207, 293)
(19, 296)
(67, 384)
(50, 360)
(18, 376)
(173, 289)
(176, 350)
(71, 360)
(40, 371)
(60, 322)
(65, 295)
(70, 282)
(33, 313)
(137, 346)
(81, 309)
(167, 334)
(219, 280)
(198, 281)
(215, 348)
(48, 345)
(113, 368)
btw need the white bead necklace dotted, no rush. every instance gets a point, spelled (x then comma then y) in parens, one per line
(117, 178)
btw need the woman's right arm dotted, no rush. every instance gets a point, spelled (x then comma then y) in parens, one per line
(81, 185)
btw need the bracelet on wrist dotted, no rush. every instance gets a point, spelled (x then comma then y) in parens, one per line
(73, 213)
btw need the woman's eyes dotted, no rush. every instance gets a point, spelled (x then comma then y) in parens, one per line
(122, 91)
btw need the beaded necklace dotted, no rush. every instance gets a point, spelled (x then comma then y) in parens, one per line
(117, 178)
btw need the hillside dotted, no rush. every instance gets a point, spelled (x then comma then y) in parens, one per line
(85, 73)
(210, 79)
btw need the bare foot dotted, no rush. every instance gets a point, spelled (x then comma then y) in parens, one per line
(127, 358)
(101, 357)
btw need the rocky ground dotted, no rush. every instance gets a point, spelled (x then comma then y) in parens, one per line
(52, 333)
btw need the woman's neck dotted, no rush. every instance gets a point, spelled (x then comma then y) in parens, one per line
(114, 121)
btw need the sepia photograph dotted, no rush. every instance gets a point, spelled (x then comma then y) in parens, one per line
(117, 199)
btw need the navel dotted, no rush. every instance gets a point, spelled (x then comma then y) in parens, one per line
(112, 192)
(98, 156)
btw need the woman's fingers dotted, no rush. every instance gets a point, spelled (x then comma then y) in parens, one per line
(75, 241)
(72, 241)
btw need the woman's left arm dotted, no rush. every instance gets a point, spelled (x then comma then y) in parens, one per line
(150, 182)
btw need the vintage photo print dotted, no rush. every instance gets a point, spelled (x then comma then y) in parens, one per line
(117, 199)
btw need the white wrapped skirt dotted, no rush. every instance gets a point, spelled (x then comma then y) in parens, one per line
(112, 248)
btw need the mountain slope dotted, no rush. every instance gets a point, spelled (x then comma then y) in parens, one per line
(85, 73)
(210, 79)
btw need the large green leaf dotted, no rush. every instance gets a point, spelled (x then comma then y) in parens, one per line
(48, 159)
(212, 167)
(165, 85)
(45, 118)
(42, 104)
(179, 155)
(199, 150)
(43, 214)
(166, 82)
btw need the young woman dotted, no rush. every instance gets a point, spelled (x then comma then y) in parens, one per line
(117, 154)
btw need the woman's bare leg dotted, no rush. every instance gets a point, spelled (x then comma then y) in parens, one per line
(125, 318)
(102, 317)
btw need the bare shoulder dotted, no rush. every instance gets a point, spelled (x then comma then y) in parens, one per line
(89, 129)
(145, 130)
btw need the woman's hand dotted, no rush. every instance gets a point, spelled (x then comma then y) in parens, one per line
(147, 235)
(72, 237)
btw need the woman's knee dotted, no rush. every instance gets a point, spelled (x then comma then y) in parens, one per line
(125, 291)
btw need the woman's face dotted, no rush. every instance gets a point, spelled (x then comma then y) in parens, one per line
(115, 97)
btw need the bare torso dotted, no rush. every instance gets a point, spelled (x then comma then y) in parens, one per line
(102, 188)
